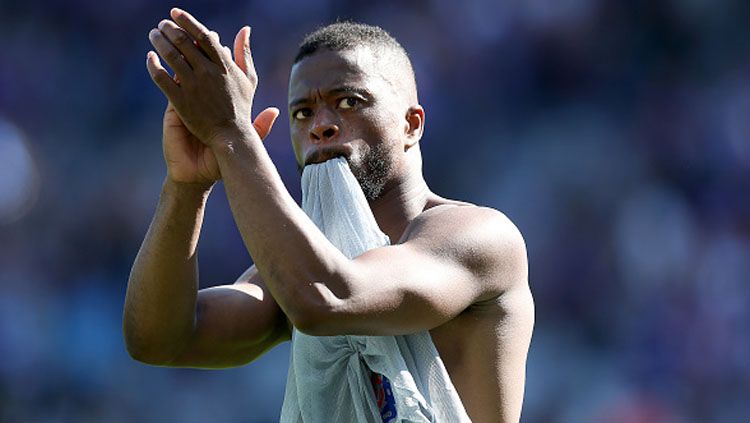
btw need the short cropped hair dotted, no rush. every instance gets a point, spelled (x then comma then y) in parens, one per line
(348, 35)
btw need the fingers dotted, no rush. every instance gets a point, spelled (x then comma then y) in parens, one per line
(169, 53)
(264, 121)
(160, 76)
(207, 40)
(242, 55)
(183, 42)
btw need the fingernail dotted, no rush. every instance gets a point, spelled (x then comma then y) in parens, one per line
(176, 11)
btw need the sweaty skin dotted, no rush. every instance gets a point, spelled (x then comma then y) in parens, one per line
(457, 270)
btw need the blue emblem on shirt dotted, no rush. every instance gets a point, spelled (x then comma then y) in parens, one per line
(384, 397)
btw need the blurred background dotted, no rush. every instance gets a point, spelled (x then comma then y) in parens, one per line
(615, 134)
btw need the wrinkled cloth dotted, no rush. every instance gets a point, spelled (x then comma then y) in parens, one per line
(330, 377)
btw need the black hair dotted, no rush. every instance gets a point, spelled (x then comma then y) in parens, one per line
(347, 35)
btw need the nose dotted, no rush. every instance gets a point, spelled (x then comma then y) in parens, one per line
(323, 130)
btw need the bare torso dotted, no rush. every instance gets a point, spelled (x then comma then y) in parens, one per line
(484, 350)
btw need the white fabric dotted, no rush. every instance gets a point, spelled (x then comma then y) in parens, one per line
(329, 376)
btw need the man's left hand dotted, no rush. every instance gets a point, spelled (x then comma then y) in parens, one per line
(211, 93)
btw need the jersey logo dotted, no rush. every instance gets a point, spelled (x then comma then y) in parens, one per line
(384, 397)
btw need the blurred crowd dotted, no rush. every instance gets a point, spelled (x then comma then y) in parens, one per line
(616, 135)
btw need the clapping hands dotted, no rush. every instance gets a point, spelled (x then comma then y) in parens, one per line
(210, 95)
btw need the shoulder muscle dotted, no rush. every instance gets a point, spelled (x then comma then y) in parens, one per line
(482, 239)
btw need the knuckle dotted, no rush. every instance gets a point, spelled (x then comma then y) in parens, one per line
(172, 55)
(180, 37)
(162, 81)
(205, 38)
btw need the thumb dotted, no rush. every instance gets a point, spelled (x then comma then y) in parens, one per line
(264, 121)
(242, 55)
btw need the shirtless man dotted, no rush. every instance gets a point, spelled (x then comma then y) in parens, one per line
(457, 270)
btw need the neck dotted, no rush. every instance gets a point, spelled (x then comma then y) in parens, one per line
(400, 203)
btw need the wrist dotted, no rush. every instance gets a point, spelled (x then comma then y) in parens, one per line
(199, 190)
(227, 139)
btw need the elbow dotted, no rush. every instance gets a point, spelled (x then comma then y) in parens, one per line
(141, 355)
(148, 356)
(312, 321)
(313, 327)
(320, 310)
(140, 349)
(315, 317)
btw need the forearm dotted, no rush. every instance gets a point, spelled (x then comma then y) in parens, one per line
(159, 313)
(301, 268)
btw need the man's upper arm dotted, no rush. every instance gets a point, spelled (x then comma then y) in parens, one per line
(235, 324)
(448, 260)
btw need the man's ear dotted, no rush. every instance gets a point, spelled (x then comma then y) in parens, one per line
(414, 126)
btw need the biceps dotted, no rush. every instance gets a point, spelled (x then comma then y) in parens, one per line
(234, 325)
(399, 290)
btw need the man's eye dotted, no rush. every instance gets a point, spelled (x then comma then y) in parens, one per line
(348, 102)
(302, 114)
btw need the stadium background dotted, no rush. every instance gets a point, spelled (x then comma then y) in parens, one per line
(615, 134)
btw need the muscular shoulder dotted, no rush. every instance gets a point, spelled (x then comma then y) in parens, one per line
(483, 239)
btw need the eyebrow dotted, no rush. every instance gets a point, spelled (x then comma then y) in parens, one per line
(344, 89)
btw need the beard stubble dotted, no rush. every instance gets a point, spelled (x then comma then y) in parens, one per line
(373, 170)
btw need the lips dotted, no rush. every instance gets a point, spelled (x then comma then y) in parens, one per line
(326, 153)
